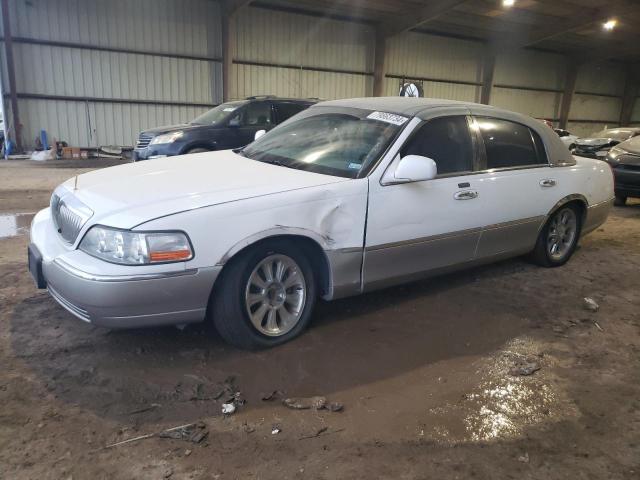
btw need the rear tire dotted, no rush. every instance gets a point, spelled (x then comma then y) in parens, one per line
(558, 238)
(620, 201)
(265, 296)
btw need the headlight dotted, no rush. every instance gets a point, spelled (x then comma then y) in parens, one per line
(615, 152)
(136, 248)
(166, 138)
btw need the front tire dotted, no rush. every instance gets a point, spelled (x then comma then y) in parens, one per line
(196, 150)
(265, 296)
(558, 238)
(620, 201)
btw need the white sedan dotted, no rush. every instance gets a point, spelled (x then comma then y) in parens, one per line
(345, 197)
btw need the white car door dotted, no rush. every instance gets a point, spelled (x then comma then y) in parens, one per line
(517, 186)
(427, 225)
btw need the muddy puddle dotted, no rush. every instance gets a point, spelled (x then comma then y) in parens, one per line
(14, 224)
(502, 405)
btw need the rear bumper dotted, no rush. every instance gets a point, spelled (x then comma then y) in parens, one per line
(596, 215)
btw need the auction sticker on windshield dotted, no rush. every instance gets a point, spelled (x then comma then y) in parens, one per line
(388, 117)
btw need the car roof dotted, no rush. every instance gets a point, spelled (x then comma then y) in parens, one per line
(401, 105)
(419, 107)
(280, 99)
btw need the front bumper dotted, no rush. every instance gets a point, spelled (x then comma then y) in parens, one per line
(157, 151)
(117, 296)
(627, 180)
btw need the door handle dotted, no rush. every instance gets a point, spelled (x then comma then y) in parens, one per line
(465, 195)
(547, 182)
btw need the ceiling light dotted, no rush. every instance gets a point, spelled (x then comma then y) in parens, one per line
(610, 24)
(508, 3)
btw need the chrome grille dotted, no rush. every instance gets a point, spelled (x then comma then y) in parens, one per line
(143, 140)
(69, 215)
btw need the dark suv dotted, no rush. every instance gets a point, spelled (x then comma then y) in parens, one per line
(229, 125)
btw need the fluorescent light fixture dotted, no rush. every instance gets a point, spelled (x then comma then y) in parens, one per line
(610, 24)
(508, 3)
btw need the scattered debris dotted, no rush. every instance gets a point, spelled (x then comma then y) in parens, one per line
(275, 430)
(598, 326)
(591, 305)
(524, 458)
(228, 408)
(130, 440)
(334, 406)
(187, 452)
(267, 397)
(525, 369)
(316, 403)
(194, 432)
(153, 406)
(318, 432)
(248, 428)
(321, 432)
(298, 403)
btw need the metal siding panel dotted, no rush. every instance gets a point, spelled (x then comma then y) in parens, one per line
(431, 56)
(635, 115)
(293, 39)
(589, 107)
(585, 129)
(602, 78)
(533, 103)
(530, 69)
(188, 27)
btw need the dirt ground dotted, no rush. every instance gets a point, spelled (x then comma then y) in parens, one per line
(424, 372)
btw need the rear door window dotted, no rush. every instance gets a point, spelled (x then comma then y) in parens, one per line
(286, 110)
(509, 144)
(446, 140)
(258, 114)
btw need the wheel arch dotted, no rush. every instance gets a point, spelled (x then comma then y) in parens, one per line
(312, 244)
(575, 198)
(198, 144)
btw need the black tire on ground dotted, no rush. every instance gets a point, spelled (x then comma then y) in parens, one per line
(620, 201)
(197, 150)
(541, 254)
(228, 309)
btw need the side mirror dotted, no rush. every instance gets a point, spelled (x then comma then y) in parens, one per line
(259, 133)
(234, 122)
(415, 168)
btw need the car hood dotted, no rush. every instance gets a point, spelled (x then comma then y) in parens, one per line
(631, 146)
(594, 142)
(128, 195)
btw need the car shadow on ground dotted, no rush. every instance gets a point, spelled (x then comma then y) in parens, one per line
(351, 342)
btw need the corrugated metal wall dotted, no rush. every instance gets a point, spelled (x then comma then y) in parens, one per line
(171, 27)
(296, 48)
(529, 82)
(281, 53)
(440, 62)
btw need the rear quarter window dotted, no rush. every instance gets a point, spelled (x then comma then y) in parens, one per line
(509, 144)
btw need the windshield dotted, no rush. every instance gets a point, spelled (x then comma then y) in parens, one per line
(333, 143)
(615, 133)
(215, 115)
